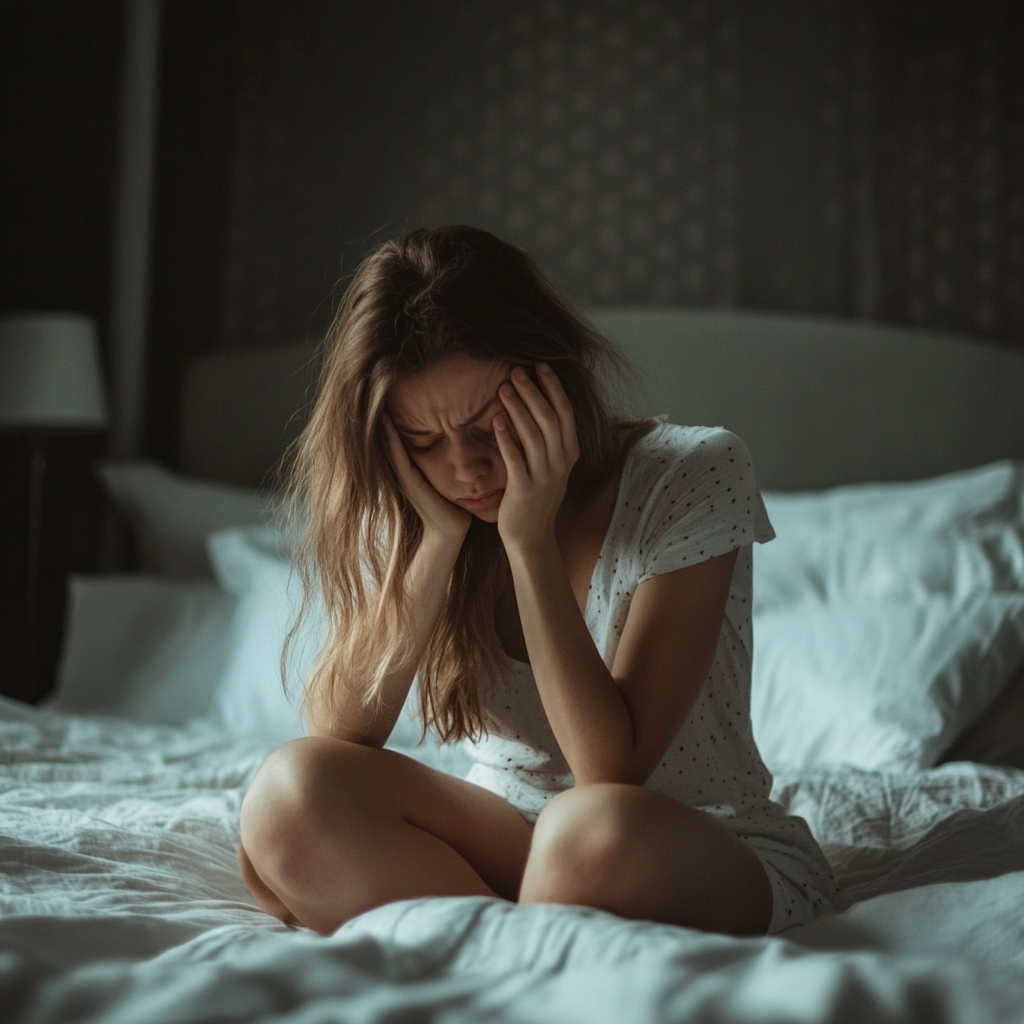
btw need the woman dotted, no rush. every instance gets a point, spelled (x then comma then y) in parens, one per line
(573, 592)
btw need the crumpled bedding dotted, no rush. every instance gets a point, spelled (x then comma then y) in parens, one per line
(120, 901)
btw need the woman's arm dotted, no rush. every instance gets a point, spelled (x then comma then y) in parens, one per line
(612, 726)
(444, 529)
(427, 584)
(616, 726)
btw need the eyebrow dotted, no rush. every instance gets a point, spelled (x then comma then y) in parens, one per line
(472, 419)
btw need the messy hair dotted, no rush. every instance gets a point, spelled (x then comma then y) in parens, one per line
(415, 300)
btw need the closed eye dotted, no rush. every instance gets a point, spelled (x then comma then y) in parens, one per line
(421, 447)
(480, 436)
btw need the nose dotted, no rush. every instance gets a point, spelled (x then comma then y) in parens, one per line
(470, 460)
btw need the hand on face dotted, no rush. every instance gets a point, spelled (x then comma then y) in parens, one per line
(450, 464)
(538, 466)
(437, 513)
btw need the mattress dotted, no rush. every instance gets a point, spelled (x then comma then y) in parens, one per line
(120, 901)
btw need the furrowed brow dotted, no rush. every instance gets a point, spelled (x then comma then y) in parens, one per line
(410, 432)
(483, 408)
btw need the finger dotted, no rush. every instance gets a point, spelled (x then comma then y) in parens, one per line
(559, 400)
(399, 456)
(541, 411)
(531, 437)
(391, 436)
(515, 464)
(409, 475)
(540, 408)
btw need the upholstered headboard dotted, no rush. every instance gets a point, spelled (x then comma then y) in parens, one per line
(240, 410)
(818, 401)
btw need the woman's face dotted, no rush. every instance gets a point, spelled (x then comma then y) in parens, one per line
(444, 415)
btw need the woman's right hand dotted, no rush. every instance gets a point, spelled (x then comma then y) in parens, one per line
(440, 516)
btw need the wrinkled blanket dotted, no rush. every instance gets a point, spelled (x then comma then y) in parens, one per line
(120, 901)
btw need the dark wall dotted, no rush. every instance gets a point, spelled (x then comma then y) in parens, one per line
(328, 151)
(59, 83)
(832, 156)
(198, 87)
(949, 151)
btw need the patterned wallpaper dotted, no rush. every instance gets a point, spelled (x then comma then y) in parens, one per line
(832, 156)
(950, 153)
(603, 138)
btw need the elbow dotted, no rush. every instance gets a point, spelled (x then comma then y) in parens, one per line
(319, 727)
(610, 777)
(338, 731)
(327, 720)
(617, 760)
(628, 766)
(322, 725)
(322, 730)
(624, 771)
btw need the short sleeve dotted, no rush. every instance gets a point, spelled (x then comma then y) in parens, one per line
(703, 501)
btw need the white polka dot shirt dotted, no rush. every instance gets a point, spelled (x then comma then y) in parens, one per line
(687, 494)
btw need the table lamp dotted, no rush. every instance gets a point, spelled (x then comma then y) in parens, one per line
(49, 383)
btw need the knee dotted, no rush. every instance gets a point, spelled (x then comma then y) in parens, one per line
(581, 846)
(281, 805)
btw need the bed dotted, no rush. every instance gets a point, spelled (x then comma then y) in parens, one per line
(889, 641)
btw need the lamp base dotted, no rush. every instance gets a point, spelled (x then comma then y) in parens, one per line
(30, 635)
(50, 517)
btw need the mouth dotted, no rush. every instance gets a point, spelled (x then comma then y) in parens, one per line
(489, 500)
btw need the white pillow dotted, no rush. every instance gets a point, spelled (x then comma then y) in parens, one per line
(864, 564)
(880, 685)
(143, 647)
(985, 495)
(250, 695)
(172, 515)
(950, 535)
(253, 563)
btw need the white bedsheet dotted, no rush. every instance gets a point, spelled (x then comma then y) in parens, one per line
(120, 901)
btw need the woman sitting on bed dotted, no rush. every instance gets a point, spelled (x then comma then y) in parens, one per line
(573, 591)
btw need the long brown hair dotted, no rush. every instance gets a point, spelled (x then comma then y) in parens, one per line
(414, 300)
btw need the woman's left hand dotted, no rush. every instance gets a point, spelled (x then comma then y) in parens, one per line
(538, 466)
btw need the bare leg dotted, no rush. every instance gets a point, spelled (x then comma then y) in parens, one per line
(332, 829)
(642, 855)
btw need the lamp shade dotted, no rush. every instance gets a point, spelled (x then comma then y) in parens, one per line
(50, 372)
